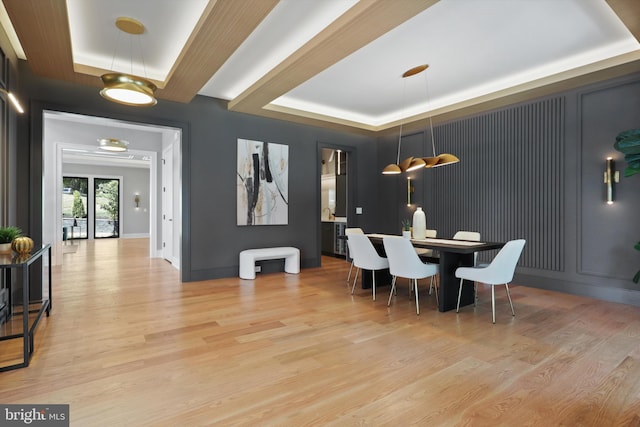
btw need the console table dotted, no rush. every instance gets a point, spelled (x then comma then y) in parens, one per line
(30, 310)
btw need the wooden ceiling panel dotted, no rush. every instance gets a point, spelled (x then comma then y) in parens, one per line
(42, 27)
(629, 13)
(360, 25)
(221, 30)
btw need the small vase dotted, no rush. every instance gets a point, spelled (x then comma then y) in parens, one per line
(406, 234)
(5, 248)
(419, 224)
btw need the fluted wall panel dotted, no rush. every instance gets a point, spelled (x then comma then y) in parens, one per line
(509, 183)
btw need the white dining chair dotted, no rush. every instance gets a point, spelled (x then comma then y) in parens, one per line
(404, 262)
(365, 257)
(473, 236)
(428, 253)
(467, 235)
(431, 234)
(348, 231)
(499, 272)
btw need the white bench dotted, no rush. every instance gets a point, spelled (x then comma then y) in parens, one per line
(249, 257)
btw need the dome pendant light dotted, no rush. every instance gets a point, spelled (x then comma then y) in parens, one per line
(410, 163)
(124, 88)
(113, 144)
(440, 159)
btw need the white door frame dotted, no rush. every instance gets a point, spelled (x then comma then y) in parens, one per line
(167, 204)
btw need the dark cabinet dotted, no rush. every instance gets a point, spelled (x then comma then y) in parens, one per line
(327, 238)
(332, 243)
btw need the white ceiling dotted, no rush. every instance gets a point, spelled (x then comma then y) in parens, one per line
(476, 49)
(78, 137)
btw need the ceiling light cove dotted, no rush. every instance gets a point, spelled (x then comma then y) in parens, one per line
(290, 25)
(93, 36)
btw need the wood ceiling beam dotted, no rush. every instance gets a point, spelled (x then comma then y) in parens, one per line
(629, 13)
(42, 27)
(43, 30)
(360, 25)
(223, 27)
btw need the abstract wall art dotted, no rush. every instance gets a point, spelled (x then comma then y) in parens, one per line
(262, 183)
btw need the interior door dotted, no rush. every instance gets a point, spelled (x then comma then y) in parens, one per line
(167, 204)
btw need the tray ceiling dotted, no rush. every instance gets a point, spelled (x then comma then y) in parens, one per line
(335, 63)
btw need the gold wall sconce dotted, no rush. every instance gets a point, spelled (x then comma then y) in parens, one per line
(14, 101)
(410, 190)
(611, 176)
(136, 199)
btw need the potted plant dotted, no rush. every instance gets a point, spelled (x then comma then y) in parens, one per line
(7, 234)
(628, 143)
(406, 228)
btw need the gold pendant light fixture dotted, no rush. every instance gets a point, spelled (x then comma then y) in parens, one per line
(414, 163)
(441, 159)
(113, 144)
(128, 89)
(410, 163)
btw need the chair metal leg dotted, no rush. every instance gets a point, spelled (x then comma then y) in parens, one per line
(355, 279)
(506, 286)
(373, 274)
(393, 287)
(475, 294)
(415, 286)
(493, 302)
(459, 294)
(349, 276)
(436, 288)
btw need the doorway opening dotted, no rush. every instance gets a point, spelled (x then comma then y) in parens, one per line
(334, 201)
(122, 194)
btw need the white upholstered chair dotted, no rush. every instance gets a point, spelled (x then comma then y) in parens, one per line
(473, 236)
(431, 234)
(347, 231)
(365, 257)
(467, 235)
(499, 272)
(404, 262)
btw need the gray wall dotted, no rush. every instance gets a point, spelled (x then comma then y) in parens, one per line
(581, 245)
(535, 171)
(211, 240)
(134, 180)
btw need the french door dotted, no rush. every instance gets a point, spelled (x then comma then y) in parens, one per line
(90, 207)
(75, 207)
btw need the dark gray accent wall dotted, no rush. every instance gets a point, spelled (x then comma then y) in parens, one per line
(606, 232)
(211, 239)
(510, 181)
(535, 171)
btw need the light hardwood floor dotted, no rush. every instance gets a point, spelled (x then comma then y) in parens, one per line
(127, 344)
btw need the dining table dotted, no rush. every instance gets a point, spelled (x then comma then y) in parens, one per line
(451, 254)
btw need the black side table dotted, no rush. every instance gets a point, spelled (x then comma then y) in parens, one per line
(39, 305)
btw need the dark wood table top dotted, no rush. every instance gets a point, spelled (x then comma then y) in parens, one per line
(445, 245)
